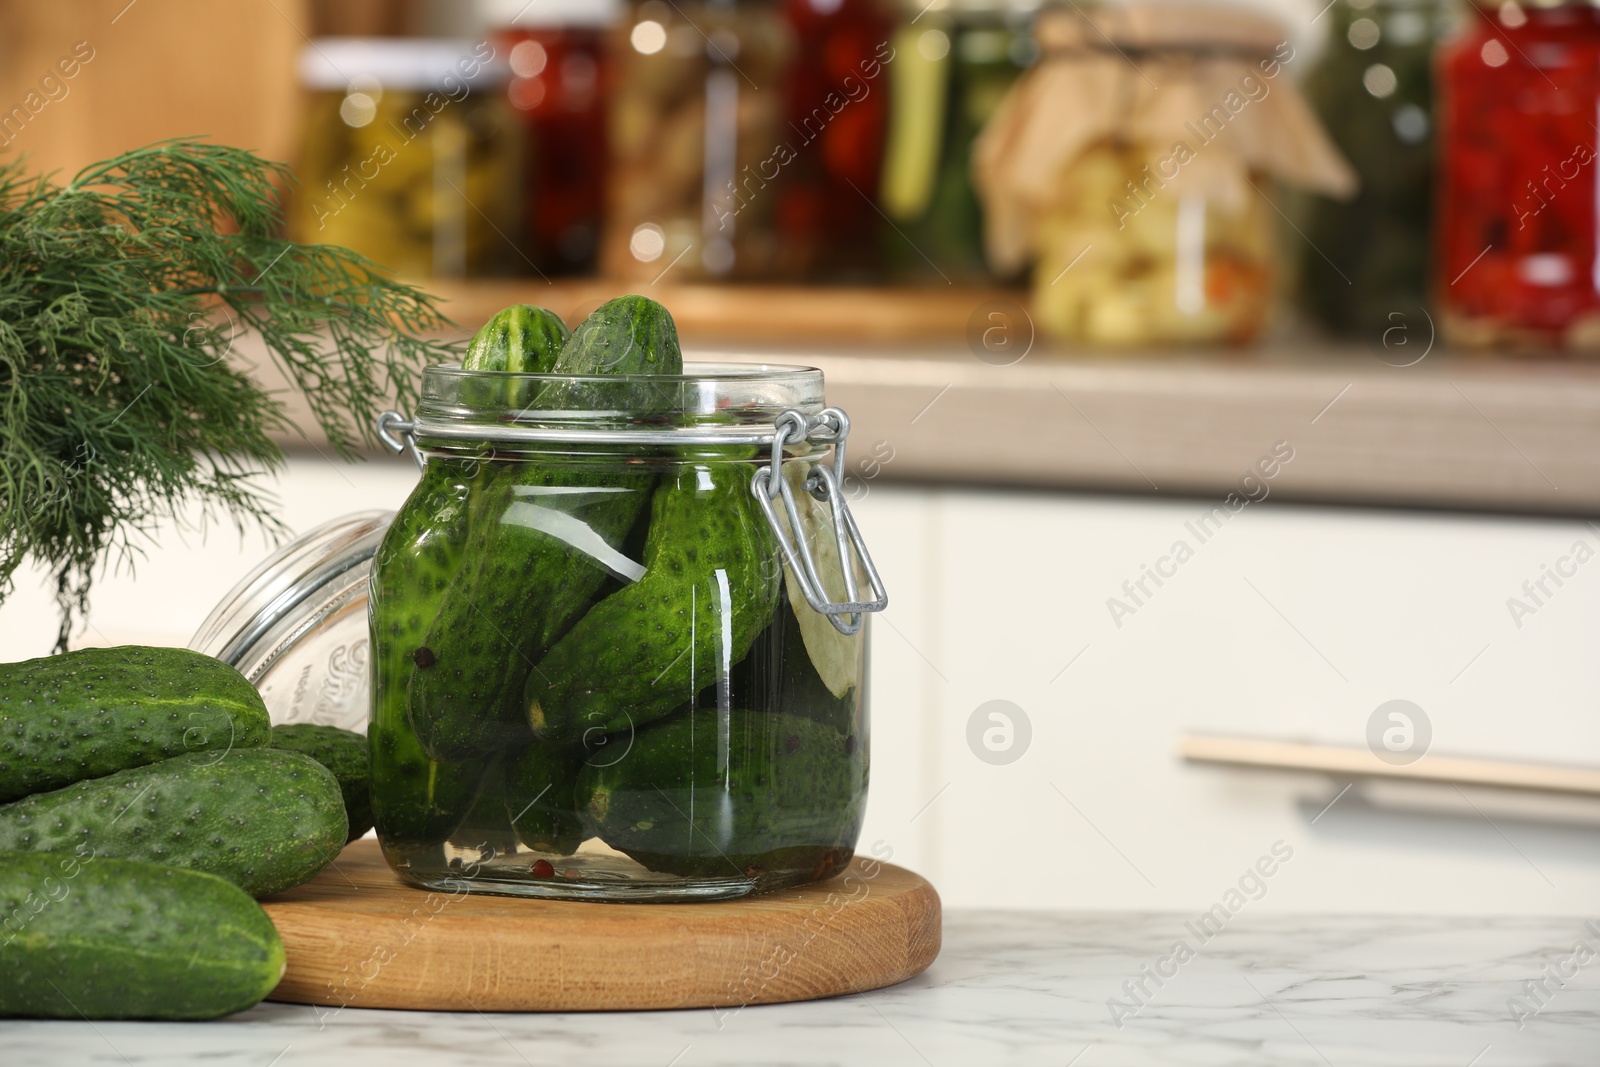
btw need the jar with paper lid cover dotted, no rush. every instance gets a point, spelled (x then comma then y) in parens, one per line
(1134, 167)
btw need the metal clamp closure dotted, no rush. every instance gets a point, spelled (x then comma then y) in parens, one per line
(399, 435)
(768, 484)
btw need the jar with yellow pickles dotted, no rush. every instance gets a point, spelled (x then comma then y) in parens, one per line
(410, 155)
(1194, 266)
(1135, 166)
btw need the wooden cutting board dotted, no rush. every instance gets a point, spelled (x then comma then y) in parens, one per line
(359, 937)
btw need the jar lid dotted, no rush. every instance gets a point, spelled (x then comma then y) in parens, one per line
(343, 63)
(296, 626)
(550, 13)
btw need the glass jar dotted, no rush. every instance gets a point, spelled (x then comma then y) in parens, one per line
(1373, 91)
(1193, 266)
(556, 52)
(1131, 164)
(697, 136)
(296, 625)
(606, 664)
(1516, 247)
(837, 106)
(409, 155)
(952, 63)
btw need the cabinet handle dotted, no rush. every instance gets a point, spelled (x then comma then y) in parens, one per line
(1360, 763)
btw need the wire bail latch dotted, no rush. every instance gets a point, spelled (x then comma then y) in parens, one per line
(768, 484)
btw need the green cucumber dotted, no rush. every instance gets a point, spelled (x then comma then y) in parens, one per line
(86, 714)
(522, 339)
(734, 794)
(91, 937)
(521, 587)
(264, 819)
(345, 753)
(416, 802)
(707, 590)
(543, 540)
(541, 798)
(629, 335)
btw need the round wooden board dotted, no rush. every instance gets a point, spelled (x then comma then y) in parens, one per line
(357, 936)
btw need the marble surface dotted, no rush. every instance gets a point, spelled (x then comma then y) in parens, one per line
(1009, 987)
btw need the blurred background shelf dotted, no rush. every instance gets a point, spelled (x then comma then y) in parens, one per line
(759, 314)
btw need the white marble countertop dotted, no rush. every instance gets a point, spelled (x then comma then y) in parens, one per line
(1009, 987)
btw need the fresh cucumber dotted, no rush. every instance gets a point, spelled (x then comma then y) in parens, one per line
(733, 794)
(85, 936)
(345, 753)
(264, 819)
(707, 590)
(86, 714)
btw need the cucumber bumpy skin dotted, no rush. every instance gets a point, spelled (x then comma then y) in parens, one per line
(86, 936)
(264, 819)
(735, 794)
(416, 802)
(522, 339)
(345, 753)
(521, 588)
(708, 588)
(86, 714)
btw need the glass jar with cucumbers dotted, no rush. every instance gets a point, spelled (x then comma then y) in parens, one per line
(619, 628)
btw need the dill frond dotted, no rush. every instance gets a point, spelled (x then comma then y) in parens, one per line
(122, 293)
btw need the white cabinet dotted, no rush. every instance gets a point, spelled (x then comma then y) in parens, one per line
(1289, 622)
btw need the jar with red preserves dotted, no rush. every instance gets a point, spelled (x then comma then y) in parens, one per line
(556, 53)
(1516, 263)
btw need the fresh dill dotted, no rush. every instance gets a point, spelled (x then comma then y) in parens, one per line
(122, 294)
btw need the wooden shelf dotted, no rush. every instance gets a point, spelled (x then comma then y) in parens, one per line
(748, 313)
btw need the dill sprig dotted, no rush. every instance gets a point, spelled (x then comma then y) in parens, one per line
(122, 294)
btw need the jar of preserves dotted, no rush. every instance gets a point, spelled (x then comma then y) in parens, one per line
(617, 653)
(409, 155)
(1366, 259)
(556, 52)
(953, 62)
(1517, 259)
(697, 138)
(837, 106)
(1134, 166)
